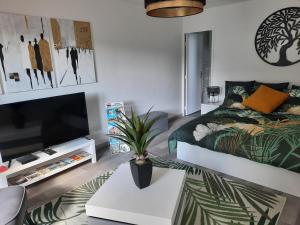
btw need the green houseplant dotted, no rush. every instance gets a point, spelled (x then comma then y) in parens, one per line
(136, 133)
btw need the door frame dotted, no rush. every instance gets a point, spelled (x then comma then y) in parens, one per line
(184, 67)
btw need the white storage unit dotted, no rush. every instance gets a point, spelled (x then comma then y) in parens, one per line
(208, 107)
(63, 151)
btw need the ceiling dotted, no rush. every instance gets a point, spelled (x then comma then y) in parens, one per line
(210, 3)
(215, 3)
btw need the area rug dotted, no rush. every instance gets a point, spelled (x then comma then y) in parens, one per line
(208, 199)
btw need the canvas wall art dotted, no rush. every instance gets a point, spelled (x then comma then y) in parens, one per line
(25, 55)
(39, 53)
(73, 52)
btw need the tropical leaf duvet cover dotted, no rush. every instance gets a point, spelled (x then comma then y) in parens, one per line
(272, 139)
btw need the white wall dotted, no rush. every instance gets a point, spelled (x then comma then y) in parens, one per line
(234, 27)
(137, 58)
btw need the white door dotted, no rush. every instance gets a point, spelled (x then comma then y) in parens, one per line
(197, 69)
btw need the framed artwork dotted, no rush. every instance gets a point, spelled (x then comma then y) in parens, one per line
(40, 53)
(73, 52)
(25, 55)
(113, 110)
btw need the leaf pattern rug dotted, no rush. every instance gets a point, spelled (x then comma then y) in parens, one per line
(208, 199)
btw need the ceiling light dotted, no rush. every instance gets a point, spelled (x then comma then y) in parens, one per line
(173, 8)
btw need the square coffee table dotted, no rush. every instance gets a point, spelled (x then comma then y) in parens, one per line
(119, 199)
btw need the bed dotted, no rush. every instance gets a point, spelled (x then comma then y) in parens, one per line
(260, 148)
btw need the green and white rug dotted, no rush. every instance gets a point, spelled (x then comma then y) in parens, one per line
(208, 199)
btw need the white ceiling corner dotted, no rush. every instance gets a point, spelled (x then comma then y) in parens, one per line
(210, 3)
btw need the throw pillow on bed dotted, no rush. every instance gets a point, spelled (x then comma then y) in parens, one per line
(265, 99)
(236, 92)
(277, 86)
(292, 105)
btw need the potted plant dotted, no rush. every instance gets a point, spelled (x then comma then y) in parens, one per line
(136, 133)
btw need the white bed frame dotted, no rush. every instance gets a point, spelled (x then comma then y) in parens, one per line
(266, 175)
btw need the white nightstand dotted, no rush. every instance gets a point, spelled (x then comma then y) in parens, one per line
(207, 107)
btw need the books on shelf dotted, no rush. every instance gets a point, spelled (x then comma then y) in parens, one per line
(43, 170)
(17, 180)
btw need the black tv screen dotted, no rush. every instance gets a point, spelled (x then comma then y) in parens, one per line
(33, 125)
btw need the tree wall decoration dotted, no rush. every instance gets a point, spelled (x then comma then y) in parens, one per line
(277, 40)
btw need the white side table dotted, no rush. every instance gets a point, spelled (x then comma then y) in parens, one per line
(208, 107)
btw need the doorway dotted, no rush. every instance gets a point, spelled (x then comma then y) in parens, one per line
(197, 70)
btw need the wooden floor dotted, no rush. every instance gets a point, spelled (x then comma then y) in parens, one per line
(51, 188)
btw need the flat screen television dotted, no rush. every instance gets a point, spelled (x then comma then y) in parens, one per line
(26, 127)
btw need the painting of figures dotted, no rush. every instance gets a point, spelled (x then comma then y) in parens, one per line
(25, 53)
(73, 52)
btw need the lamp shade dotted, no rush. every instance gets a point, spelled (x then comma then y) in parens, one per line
(213, 91)
(173, 8)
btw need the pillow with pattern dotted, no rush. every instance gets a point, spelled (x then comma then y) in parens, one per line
(277, 86)
(248, 85)
(292, 105)
(236, 92)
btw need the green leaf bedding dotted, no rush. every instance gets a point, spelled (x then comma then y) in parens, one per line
(272, 139)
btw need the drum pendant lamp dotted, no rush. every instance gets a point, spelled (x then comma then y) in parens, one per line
(173, 8)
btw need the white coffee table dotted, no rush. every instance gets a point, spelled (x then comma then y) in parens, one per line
(120, 200)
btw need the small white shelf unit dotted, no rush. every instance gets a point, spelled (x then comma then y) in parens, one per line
(208, 107)
(63, 151)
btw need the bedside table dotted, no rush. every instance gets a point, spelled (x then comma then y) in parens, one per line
(208, 107)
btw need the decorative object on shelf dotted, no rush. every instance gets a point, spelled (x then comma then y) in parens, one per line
(3, 169)
(135, 132)
(73, 52)
(277, 40)
(113, 111)
(213, 93)
(174, 8)
(26, 58)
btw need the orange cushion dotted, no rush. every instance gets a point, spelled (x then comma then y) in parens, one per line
(265, 99)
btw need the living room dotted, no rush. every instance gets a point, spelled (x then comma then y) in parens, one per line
(104, 64)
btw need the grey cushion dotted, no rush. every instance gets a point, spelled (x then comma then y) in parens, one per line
(162, 124)
(13, 205)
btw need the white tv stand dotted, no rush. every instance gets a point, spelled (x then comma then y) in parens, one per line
(63, 151)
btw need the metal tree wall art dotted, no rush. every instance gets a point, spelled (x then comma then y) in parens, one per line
(277, 40)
